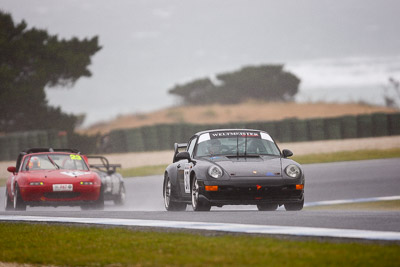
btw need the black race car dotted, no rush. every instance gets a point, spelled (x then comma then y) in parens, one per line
(112, 182)
(232, 167)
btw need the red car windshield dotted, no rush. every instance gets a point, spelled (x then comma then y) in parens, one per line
(54, 162)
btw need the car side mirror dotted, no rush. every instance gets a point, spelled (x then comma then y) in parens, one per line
(183, 155)
(287, 153)
(12, 169)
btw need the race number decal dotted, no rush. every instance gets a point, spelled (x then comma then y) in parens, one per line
(186, 177)
(75, 157)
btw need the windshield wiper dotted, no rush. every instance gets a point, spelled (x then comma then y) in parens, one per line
(52, 162)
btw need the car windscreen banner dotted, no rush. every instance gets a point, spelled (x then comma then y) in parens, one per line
(234, 134)
(230, 134)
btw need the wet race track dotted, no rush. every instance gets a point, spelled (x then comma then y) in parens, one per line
(324, 182)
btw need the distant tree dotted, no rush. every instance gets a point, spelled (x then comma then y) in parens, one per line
(392, 93)
(268, 82)
(196, 92)
(30, 60)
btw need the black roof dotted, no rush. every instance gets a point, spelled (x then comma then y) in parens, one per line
(49, 149)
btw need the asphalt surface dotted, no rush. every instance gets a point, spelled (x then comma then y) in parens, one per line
(330, 181)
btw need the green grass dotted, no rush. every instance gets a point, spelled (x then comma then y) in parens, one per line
(143, 171)
(95, 246)
(389, 205)
(348, 156)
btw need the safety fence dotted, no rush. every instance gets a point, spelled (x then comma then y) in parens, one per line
(163, 136)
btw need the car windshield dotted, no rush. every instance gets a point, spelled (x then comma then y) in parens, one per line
(236, 143)
(55, 161)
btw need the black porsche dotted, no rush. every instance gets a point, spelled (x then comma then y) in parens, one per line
(232, 167)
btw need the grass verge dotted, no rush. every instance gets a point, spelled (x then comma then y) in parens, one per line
(95, 246)
(143, 171)
(348, 156)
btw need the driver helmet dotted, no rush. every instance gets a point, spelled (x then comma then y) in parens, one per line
(34, 163)
(214, 146)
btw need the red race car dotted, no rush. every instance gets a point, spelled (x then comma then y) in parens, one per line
(53, 177)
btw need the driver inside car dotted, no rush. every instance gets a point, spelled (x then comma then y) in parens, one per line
(214, 147)
(34, 163)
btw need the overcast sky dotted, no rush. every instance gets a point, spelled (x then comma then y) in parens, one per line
(339, 49)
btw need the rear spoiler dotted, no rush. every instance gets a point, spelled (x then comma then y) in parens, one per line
(178, 146)
(109, 168)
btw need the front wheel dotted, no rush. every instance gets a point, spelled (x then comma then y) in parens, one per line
(8, 205)
(197, 204)
(294, 206)
(19, 203)
(169, 204)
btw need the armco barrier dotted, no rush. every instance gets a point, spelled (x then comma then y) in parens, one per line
(333, 128)
(349, 126)
(163, 136)
(394, 124)
(316, 129)
(379, 124)
(364, 126)
(299, 131)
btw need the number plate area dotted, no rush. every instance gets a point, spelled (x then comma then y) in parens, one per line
(62, 187)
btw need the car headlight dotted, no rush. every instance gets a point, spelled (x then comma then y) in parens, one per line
(293, 171)
(215, 172)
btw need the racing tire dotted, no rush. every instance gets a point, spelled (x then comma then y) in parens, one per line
(197, 203)
(19, 203)
(294, 206)
(168, 203)
(267, 207)
(8, 205)
(120, 199)
(99, 203)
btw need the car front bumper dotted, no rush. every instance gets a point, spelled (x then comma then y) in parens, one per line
(45, 196)
(252, 192)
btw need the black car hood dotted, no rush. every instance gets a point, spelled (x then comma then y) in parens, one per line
(262, 166)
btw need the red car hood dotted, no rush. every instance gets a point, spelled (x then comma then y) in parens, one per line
(61, 175)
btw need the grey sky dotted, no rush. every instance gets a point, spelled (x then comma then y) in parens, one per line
(150, 45)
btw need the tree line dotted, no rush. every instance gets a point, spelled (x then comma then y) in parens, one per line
(30, 60)
(266, 82)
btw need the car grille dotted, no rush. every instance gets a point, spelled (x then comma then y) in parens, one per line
(61, 195)
(251, 193)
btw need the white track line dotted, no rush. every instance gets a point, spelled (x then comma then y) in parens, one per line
(225, 227)
(347, 201)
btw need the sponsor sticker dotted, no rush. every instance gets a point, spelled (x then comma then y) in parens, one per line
(204, 137)
(73, 173)
(62, 187)
(75, 157)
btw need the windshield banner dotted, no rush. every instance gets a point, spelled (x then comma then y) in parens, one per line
(230, 134)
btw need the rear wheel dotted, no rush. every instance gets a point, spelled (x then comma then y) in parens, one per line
(197, 203)
(120, 199)
(169, 204)
(294, 206)
(8, 205)
(267, 207)
(19, 203)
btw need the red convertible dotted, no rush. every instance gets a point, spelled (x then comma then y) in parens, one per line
(52, 177)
